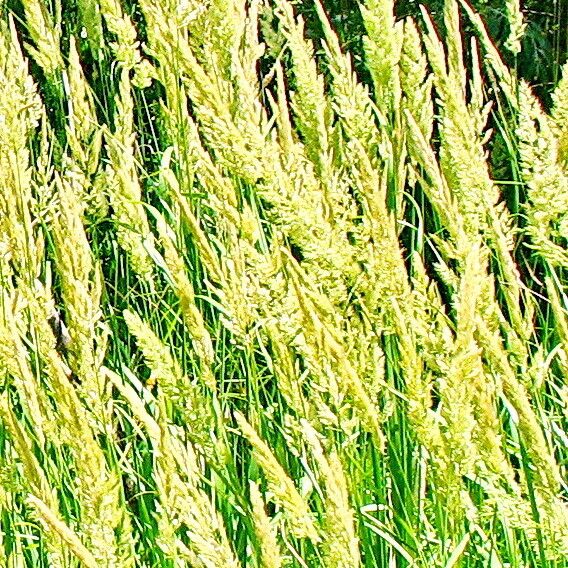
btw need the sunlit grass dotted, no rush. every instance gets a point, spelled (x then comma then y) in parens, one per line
(279, 292)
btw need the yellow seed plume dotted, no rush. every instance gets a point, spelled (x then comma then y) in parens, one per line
(269, 550)
(296, 510)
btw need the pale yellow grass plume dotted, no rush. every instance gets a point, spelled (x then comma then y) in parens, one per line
(216, 30)
(46, 37)
(463, 435)
(283, 365)
(462, 156)
(462, 374)
(363, 344)
(185, 507)
(547, 184)
(96, 486)
(20, 112)
(558, 303)
(21, 247)
(283, 323)
(180, 130)
(546, 478)
(251, 51)
(227, 277)
(463, 160)
(36, 478)
(209, 257)
(350, 98)
(297, 515)
(84, 137)
(310, 197)
(124, 186)
(288, 306)
(59, 536)
(432, 179)
(126, 48)
(247, 281)
(309, 103)
(224, 39)
(136, 402)
(238, 146)
(560, 116)
(193, 318)
(454, 47)
(517, 25)
(291, 194)
(385, 277)
(72, 419)
(420, 346)
(336, 265)
(191, 159)
(187, 162)
(269, 549)
(283, 120)
(51, 521)
(303, 213)
(177, 390)
(340, 544)
(508, 84)
(415, 80)
(326, 355)
(16, 368)
(82, 120)
(500, 382)
(81, 293)
(516, 511)
(229, 283)
(382, 52)
(469, 395)
(233, 39)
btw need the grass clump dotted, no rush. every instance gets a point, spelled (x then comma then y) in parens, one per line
(275, 295)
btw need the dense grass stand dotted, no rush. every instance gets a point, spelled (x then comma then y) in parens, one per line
(283, 284)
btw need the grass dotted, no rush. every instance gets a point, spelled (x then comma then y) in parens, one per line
(282, 284)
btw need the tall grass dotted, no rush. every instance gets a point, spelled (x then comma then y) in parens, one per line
(276, 295)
